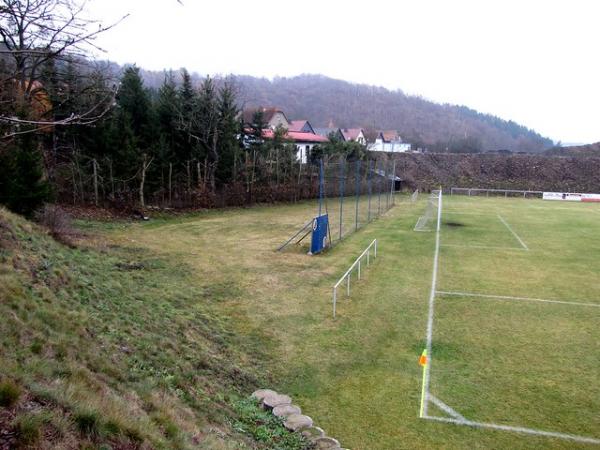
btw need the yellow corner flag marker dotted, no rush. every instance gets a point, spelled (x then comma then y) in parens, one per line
(423, 363)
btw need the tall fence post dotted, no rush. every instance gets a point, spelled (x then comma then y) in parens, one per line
(342, 186)
(321, 185)
(357, 194)
(393, 184)
(369, 190)
(379, 180)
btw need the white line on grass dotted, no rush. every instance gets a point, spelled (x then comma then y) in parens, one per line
(520, 249)
(552, 434)
(440, 404)
(461, 213)
(514, 234)
(436, 257)
(507, 297)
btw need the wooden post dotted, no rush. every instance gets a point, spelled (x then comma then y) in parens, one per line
(94, 165)
(170, 183)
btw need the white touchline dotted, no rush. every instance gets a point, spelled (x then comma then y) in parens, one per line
(520, 249)
(436, 256)
(514, 234)
(470, 423)
(507, 297)
(440, 404)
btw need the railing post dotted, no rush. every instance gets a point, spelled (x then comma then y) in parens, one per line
(368, 254)
(334, 299)
(375, 248)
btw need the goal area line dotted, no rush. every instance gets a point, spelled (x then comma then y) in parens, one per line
(510, 298)
(514, 429)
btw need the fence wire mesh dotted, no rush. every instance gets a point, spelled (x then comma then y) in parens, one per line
(352, 194)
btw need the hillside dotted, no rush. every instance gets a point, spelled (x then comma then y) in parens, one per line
(104, 346)
(322, 99)
(533, 172)
(576, 150)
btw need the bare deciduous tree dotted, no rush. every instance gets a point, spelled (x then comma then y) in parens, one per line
(32, 34)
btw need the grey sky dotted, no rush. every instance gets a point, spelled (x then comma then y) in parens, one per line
(535, 62)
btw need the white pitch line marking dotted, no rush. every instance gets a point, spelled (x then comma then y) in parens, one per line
(520, 249)
(552, 434)
(440, 404)
(507, 297)
(436, 257)
(514, 234)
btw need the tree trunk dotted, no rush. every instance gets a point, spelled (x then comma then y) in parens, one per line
(145, 165)
(112, 180)
(143, 180)
(189, 176)
(170, 185)
(95, 166)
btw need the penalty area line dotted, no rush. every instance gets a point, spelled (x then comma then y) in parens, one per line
(523, 430)
(513, 233)
(508, 298)
(520, 249)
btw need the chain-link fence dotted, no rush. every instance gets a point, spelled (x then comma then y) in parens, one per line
(352, 194)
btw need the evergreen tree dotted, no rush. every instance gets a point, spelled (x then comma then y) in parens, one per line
(228, 130)
(134, 128)
(22, 185)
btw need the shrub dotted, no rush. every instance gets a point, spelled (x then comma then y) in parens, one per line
(29, 428)
(58, 222)
(9, 393)
(87, 422)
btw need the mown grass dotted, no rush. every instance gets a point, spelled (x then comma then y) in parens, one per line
(357, 375)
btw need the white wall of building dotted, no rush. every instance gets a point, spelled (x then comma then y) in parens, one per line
(390, 147)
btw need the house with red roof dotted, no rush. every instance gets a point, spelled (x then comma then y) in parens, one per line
(300, 132)
(354, 134)
(389, 141)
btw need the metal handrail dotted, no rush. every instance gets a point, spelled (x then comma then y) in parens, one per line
(356, 263)
(505, 191)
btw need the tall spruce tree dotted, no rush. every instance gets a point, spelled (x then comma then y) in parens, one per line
(228, 131)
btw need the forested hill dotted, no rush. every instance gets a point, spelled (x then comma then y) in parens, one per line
(321, 100)
(438, 127)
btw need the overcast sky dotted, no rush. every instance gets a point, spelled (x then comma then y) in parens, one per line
(535, 62)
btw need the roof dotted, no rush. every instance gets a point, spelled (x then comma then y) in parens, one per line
(325, 132)
(300, 125)
(297, 136)
(350, 134)
(390, 135)
(268, 113)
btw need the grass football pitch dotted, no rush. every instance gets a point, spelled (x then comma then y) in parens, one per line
(514, 329)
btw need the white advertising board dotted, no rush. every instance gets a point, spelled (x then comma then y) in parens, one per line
(571, 197)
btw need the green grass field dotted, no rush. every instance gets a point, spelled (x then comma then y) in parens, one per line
(504, 361)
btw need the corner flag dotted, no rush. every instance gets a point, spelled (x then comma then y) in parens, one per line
(423, 358)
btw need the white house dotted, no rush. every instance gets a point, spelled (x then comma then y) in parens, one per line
(389, 141)
(300, 132)
(354, 134)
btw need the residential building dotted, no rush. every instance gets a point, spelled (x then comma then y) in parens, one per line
(330, 131)
(354, 134)
(389, 141)
(300, 132)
